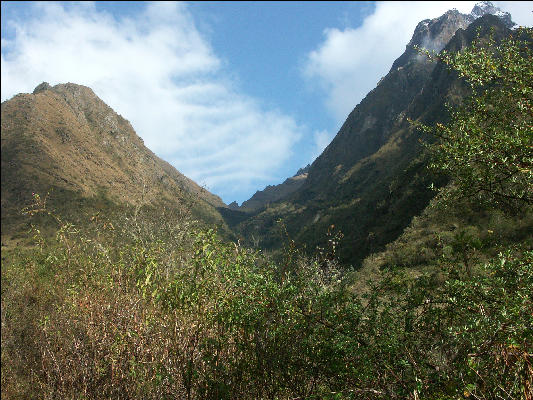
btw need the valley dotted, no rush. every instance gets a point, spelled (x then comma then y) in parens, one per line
(397, 265)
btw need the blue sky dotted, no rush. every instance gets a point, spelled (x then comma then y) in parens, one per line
(235, 95)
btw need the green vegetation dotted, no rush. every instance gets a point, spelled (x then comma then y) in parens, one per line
(136, 307)
(125, 315)
(487, 146)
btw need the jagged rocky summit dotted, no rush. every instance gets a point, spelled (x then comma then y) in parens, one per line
(486, 7)
(434, 34)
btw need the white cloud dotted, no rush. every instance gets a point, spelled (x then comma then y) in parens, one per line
(321, 140)
(160, 73)
(350, 62)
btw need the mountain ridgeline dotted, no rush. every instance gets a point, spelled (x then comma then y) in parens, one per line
(129, 281)
(368, 183)
(66, 141)
(372, 179)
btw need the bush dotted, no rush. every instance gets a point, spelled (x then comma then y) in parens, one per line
(194, 317)
(486, 146)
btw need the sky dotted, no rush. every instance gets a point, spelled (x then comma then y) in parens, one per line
(235, 95)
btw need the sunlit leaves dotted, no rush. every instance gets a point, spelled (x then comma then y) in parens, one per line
(487, 147)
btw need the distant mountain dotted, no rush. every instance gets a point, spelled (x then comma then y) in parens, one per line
(65, 139)
(372, 178)
(273, 193)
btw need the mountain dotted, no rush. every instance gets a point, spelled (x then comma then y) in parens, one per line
(486, 7)
(273, 193)
(372, 179)
(66, 140)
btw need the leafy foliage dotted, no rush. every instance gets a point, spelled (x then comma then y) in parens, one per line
(487, 146)
(178, 313)
(139, 308)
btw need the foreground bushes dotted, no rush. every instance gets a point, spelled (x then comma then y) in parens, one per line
(193, 317)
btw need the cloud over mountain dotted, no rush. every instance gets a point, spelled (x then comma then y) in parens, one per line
(349, 62)
(159, 72)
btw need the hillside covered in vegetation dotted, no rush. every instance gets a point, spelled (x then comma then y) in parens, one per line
(129, 305)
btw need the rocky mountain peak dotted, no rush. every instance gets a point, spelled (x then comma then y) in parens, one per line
(434, 34)
(486, 7)
(42, 87)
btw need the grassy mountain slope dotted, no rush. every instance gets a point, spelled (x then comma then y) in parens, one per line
(67, 141)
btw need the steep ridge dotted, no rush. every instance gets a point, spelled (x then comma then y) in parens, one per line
(371, 124)
(372, 178)
(273, 193)
(65, 139)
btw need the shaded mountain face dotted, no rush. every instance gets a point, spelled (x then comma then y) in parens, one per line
(372, 178)
(65, 139)
(371, 124)
(261, 200)
(272, 193)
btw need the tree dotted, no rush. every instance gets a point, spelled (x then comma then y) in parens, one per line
(487, 146)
